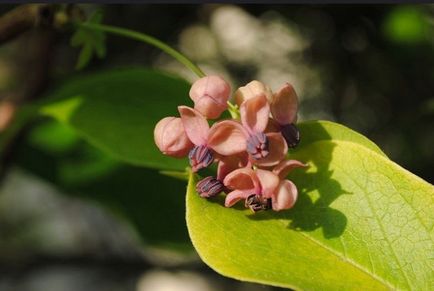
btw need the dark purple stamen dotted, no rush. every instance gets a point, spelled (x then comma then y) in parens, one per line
(257, 145)
(200, 157)
(209, 187)
(291, 134)
(257, 203)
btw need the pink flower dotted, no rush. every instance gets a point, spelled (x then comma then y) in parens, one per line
(284, 107)
(251, 90)
(227, 164)
(266, 149)
(170, 137)
(262, 189)
(284, 167)
(210, 95)
(225, 138)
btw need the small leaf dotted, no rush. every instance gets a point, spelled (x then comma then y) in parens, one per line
(91, 41)
(361, 222)
(84, 57)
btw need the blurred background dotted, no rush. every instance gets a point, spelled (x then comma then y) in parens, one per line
(73, 218)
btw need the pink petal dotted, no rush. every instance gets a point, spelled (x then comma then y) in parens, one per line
(209, 108)
(285, 105)
(210, 95)
(251, 90)
(242, 179)
(227, 137)
(170, 137)
(254, 113)
(277, 148)
(272, 126)
(230, 163)
(285, 166)
(195, 125)
(235, 196)
(285, 196)
(269, 182)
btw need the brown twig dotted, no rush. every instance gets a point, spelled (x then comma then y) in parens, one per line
(32, 25)
(23, 18)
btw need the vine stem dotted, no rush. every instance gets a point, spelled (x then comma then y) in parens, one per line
(233, 109)
(146, 39)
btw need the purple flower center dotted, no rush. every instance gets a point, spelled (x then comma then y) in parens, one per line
(257, 203)
(200, 157)
(257, 145)
(209, 187)
(291, 134)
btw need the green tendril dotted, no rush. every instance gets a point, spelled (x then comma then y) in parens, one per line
(146, 39)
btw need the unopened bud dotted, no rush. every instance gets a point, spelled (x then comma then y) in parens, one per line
(210, 95)
(170, 137)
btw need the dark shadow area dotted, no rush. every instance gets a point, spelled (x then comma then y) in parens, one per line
(311, 212)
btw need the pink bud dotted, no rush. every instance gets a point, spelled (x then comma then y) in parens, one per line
(170, 137)
(210, 95)
(251, 90)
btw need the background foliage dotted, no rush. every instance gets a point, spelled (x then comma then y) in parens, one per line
(367, 67)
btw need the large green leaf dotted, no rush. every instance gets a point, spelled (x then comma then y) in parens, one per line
(116, 111)
(361, 223)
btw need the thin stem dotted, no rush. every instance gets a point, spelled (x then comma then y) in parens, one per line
(233, 110)
(146, 39)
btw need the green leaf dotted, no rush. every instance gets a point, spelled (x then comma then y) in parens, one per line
(116, 111)
(316, 130)
(138, 196)
(91, 41)
(361, 222)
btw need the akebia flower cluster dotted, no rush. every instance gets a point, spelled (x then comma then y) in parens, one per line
(250, 151)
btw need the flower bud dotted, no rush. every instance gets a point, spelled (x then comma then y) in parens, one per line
(170, 137)
(210, 95)
(200, 157)
(251, 90)
(209, 187)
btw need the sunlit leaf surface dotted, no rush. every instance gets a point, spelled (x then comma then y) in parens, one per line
(361, 223)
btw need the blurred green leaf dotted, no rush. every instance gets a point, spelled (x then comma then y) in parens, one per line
(360, 222)
(53, 137)
(154, 205)
(406, 24)
(116, 111)
(91, 42)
